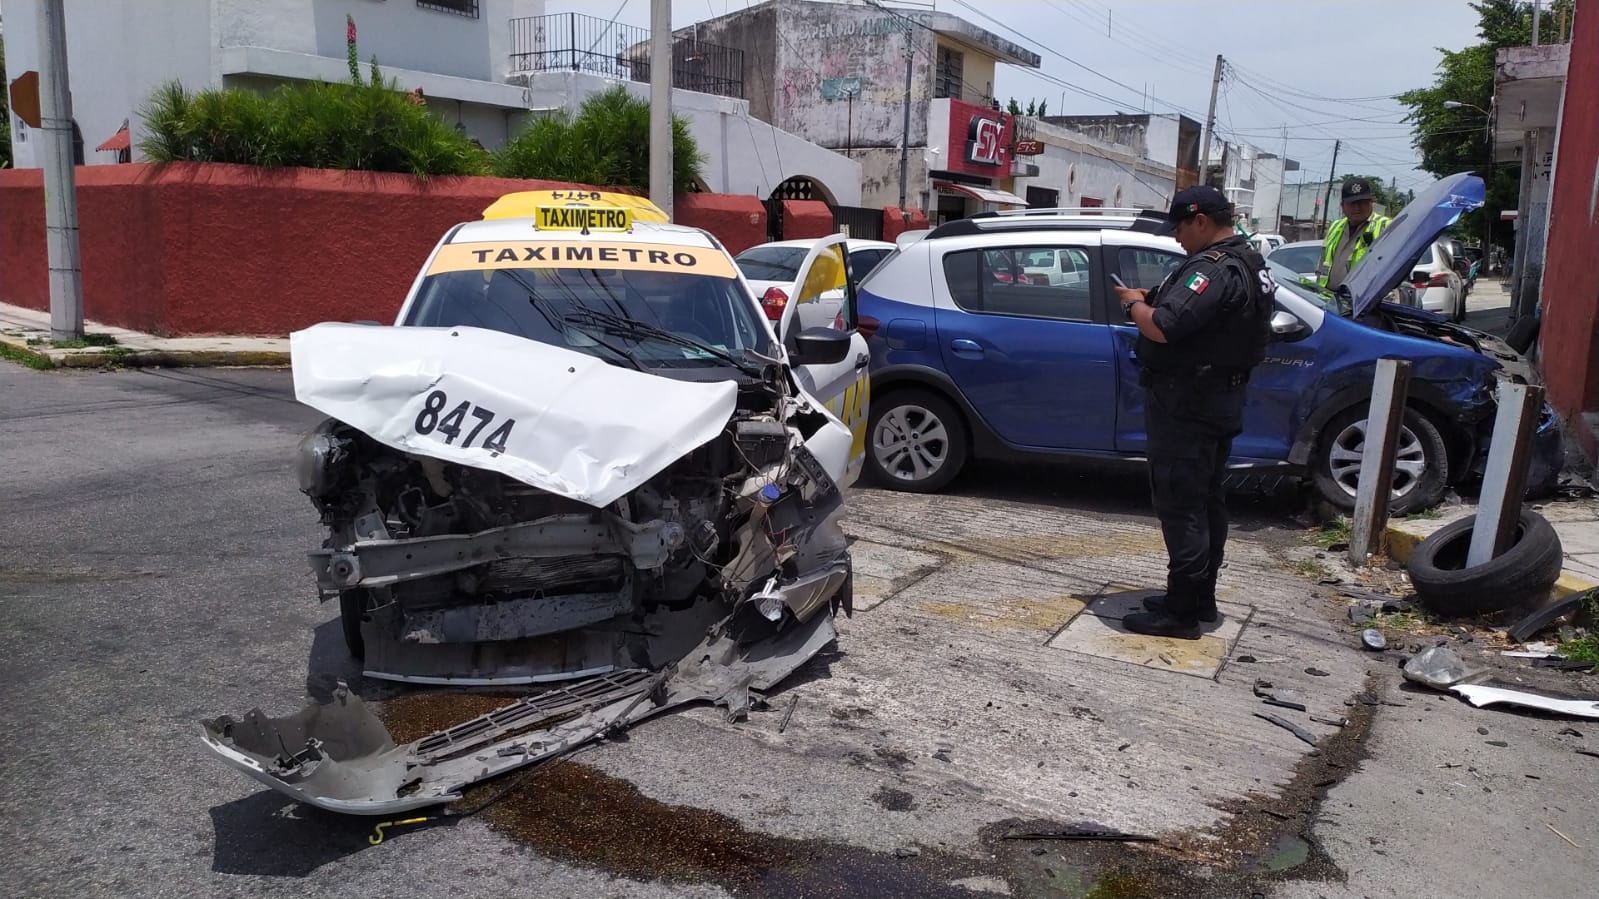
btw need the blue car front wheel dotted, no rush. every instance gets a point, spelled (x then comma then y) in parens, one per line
(917, 441)
(1421, 464)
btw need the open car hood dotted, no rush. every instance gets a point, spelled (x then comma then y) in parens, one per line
(554, 418)
(1416, 226)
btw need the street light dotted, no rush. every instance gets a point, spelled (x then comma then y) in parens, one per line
(1488, 134)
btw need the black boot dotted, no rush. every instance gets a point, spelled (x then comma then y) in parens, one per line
(1160, 624)
(1206, 607)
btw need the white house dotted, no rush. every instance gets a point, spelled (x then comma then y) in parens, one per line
(484, 65)
(119, 51)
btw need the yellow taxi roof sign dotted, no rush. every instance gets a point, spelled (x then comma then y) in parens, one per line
(526, 203)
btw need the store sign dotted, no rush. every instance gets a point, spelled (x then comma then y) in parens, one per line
(983, 140)
(979, 140)
(1028, 147)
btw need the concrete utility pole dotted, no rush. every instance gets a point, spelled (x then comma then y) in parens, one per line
(1332, 170)
(905, 135)
(660, 104)
(60, 179)
(1535, 5)
(1209, 133)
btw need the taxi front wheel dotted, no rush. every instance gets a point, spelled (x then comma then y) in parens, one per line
(917, 441)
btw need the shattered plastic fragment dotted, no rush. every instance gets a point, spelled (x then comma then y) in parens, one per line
(1436, 667)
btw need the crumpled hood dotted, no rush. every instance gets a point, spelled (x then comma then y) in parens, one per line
(1416, 226)
(556, 419)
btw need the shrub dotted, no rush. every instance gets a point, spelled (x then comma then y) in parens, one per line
(607, 143)
(368, 127)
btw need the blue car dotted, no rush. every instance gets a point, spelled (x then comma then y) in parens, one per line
(998, 337)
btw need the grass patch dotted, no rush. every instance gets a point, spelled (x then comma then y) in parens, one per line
(23, 357)
(87, 340)
(1586, 648)
(1310, 569)
(1333, 533)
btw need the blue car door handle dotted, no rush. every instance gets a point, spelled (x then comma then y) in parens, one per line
(962, 345)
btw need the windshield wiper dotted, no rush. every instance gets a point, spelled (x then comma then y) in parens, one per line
(541, 306)
(632, 326)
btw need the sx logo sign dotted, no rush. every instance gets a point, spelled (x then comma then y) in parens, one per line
(984, 142)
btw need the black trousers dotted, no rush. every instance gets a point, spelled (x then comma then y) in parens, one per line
(1191, 427)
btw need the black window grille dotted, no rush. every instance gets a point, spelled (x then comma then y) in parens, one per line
(947, 74)
(466, 8)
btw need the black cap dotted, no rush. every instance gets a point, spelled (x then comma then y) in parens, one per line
(1192, 201)
(1357, 189)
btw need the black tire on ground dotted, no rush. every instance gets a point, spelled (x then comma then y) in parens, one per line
(1421, 470)
(1523, 333)
(352, 608)
(1521, 573)
(917, 413)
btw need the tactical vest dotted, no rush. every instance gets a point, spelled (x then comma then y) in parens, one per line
(1235, 340)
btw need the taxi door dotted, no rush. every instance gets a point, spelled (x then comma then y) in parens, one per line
(843, 387)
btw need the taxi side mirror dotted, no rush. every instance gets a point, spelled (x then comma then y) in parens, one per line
(820, 346)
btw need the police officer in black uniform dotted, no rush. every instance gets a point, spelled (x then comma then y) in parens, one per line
(1200, 333)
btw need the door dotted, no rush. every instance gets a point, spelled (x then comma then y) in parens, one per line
(843, 387)
(1028, 354)
(1145, 268)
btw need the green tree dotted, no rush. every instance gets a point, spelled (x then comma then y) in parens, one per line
(606, 144)
(1042, 105)
(1455, 139)
(1014, 108)
(5, 111)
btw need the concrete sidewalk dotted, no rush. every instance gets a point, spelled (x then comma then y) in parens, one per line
(1576, 522)
(25, 337)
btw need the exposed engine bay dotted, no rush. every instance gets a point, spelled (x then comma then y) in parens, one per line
(639, 540)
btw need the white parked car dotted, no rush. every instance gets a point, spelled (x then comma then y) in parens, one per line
(1302, 256)
(1264, 244)
(1438, 287)
(772, 269)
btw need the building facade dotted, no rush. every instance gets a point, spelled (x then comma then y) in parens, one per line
(1094, 163)
(835, 74)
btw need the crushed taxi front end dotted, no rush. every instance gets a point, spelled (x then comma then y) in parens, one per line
(533, 479)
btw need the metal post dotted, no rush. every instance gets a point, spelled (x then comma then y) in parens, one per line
(1210, 126)
(1529, 161)
(1535, 9)
(60, 178)
(1389, 389)
(905, 135)
(1504, 478)
(661, 105)
(1332, 170)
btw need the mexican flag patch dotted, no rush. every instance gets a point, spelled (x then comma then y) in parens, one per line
(1197, 283)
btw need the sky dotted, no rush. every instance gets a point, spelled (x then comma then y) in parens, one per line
(1326, 70)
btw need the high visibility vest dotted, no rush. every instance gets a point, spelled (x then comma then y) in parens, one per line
(1374, 227)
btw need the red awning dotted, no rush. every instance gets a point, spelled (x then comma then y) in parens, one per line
(985, 194)
(118, 141)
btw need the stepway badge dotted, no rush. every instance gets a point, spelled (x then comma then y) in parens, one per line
(1197, 283)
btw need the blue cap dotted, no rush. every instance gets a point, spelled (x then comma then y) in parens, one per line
(770, 493)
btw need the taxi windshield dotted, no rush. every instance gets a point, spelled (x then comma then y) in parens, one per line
(641, 319)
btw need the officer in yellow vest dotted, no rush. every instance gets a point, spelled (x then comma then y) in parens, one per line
(1351, 236)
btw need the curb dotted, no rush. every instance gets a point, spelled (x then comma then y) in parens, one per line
(124, 357)
(1400, 542)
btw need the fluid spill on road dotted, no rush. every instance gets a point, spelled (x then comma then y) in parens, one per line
(574, 813)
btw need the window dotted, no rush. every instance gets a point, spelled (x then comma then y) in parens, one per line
(466, 8)
(861, 263)
(771, 263)
(948, 74)
(1144, 268)
(1029, 282)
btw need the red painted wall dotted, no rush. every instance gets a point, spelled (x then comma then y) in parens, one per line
(221, 249)
(739, 222)
(894, 222)
(806, 218)
(1570, 329)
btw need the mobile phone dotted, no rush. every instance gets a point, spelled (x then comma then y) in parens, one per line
(1119, 282)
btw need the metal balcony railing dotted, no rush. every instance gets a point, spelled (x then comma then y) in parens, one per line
(577, 43)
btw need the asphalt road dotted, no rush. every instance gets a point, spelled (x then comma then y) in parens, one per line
(152, 573)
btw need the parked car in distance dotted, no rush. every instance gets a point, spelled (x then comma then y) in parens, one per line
(1300, 257)
(1264, 244)
(770, 269)
(1439, 288)
(968, 365)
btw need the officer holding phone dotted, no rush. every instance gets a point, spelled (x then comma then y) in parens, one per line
(1201, 331)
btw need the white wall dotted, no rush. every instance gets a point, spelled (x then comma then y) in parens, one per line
(1080, 166)
(1160, 139)
(743, 155)
(110, 79)
(406, 36)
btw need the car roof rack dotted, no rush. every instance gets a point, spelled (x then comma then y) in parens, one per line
(1147, 221)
